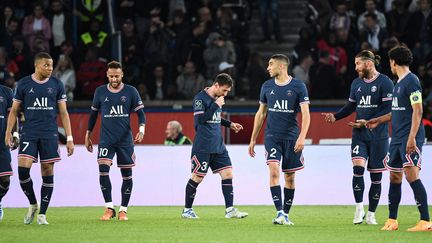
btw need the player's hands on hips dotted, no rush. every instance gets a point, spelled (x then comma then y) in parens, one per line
(70, 147)
(236, 127)
(252, 149)
(299, 146)
(372, 123)
(88, 143)
(329, 117)
(411, 145)
(220, 101)
(358, 123)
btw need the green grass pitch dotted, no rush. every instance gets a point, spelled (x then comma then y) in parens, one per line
(163, 224)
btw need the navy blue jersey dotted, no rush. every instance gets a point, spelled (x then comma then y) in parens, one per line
(283, 104)
(207, 123)
(115, 107)
(370, 97)
(6, 96)
(406, 92)
(39, 102)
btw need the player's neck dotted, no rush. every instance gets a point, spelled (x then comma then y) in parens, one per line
(211, 91)
(402, 71)
(39, 77)
(282, 78)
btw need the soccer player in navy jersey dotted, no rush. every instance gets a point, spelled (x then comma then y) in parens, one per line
(40, 97)
(370, 97)
(281, 98)
(208, 149)
(408, 136)
(6, 96)
(115, 101)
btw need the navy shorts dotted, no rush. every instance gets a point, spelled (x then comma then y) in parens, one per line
(397, 158)
(46, 148)
(217, 162)
(5, 162)
(278, 150)
(125, 155)
(374, 152)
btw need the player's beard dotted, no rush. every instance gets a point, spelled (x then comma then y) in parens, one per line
(117, 85)
(366, 74)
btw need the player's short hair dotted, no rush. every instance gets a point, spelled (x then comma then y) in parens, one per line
(224, 79)
(401, 54)
(176, 125)
(42, 55)
(368, 55)
(114, 65)
(281, 58)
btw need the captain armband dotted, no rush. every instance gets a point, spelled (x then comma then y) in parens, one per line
(416, 97)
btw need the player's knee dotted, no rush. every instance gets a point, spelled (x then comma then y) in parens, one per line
(104, 169)
(396, 177)
(196, 178)
(376, 178)
(358, 170)
(289, 179)
(126, 173)
(274, 175)
(47, 169)
(226, 174)
(23, 173)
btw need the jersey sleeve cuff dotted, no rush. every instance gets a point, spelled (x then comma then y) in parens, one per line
(139, 107)
(17, 100)
(198, 112)
(94, 108)
(61, 100)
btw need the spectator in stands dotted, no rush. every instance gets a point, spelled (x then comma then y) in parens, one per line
(341, 18)
(88, 11)
(373, 34)
(67, 49)
(8, 69)
(338, 56)
(398, 20)
(95, 37)
(370, 6)
(301, 71)
(91, 74)
(218, 50)
(324, 10)
(205, 16)
(182, 38)
(65, 71)
(420, 27)
(323, 80)
(144, 10)
(264, 7)
(125, 10)
(198, 45)
(158, 85)
(130, 52)
(6, 36)
(20, 53)
(256, 74)
(189, 82)
(156, 47)
(351, 46)
(37, 25)
(61, 25)
(7, 15)
(174, 134)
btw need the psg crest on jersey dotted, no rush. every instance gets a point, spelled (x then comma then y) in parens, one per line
(374, 88)
(123, 99)
(289, 92)
(50, 90)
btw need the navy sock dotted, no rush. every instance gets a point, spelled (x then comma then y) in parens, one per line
(277, 197)
(126, 189)
(421, 199)
(4, 186)
(191, 188)
(46, 192)
(227, 190)
(27, 184)
(288, 199)
(358, 183)
(394, 198)
(105, 182)
(374, 191)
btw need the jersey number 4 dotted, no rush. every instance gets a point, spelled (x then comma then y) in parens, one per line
(356, 149)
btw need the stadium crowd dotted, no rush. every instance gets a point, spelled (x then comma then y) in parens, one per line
(173, 48)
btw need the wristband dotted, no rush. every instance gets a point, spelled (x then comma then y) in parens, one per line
(15, 134)
(141, 129)
(69, 139)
